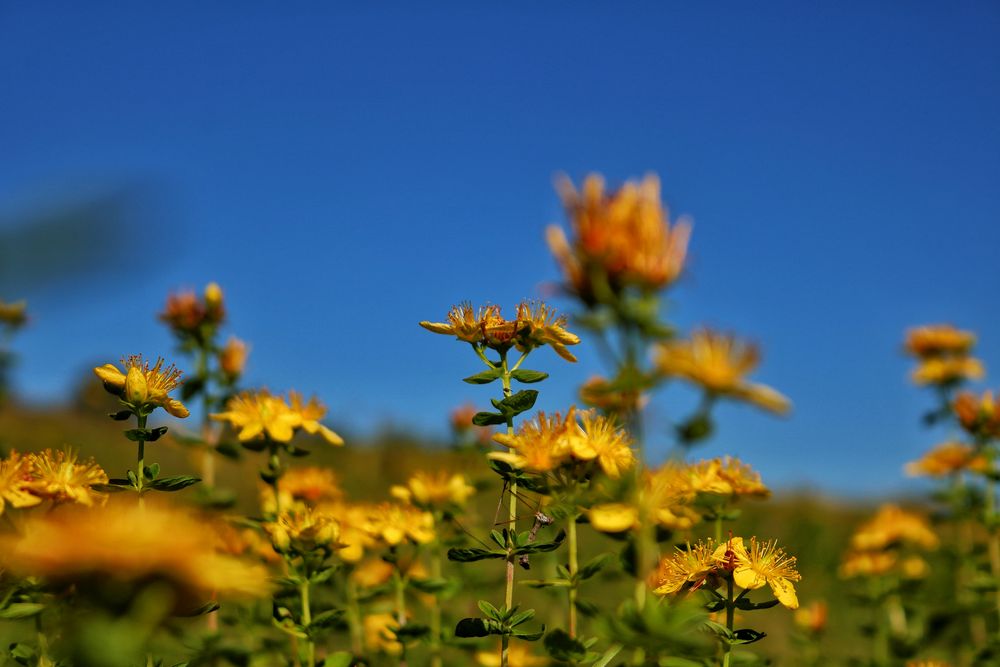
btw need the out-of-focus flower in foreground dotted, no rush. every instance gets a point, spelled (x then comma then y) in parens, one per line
(15, 480)
(948, 458)
(122, 542)
(719, 364)
(61, 477)
(144, 388)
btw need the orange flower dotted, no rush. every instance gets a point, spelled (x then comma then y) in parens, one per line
(935, 340)
(948, 458)
(979, 416)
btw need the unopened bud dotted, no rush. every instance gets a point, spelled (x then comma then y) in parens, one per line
(136, 388)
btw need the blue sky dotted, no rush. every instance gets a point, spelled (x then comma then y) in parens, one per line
(345, 172)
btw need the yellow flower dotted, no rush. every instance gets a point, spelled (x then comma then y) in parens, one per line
(354, 520)
(763, 563)
(15, 480)
(927, 663)
(947, 370)
(892, 525)
(867, 563)
(613, 517)
(686, 568)
(233, 357)
(600, 393)
(727, 476)
(544, 328)
(947, 458)
(934, 340)
(372, 572)
(979, 416)
(142, 387)
(600, 439)
(13, 315)
(303, 530)
(379, 635)
(625, 235)
(812, 618)
(719, 363)
(258, 414)
(311, 484)
(59, 477)
(392, 524)
(464, 322)
(309, 415)
(914, 567)
(125, 543)
(434, 490)
(540, 445)
(518, 655)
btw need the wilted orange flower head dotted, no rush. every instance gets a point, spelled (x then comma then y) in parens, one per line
(948, 458)
(187, 314)
(935, 340)
(233, 357)
(144, 388)
(625, 235)
(719, 363)
(127, 543)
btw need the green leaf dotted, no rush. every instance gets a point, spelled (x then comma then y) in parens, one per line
(488, 419)
(155, 433)
(206, 608)
(411, 631)
(490, 611)
(339, 659)
(430, 585)
(121, 415)
(545, 583)
(133, 480)
(113, 488)
(747, 636)
(529, 636)
(594, 566)
(151, 471)
(528, 377)
(22, 610)
(745, 604)
(564, 648)
(542, 547)
(473, 554)
(483, 378)
(228, 449)
(191, 387)
(523, 617)
(174, 483)
(472, 627)
(520, 402)
(326, 618)
(499, 538)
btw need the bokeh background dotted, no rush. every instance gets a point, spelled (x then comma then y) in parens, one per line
(346, 171)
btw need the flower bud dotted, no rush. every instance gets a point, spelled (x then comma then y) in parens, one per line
(213, 296)
(233, 357)
(136, 388)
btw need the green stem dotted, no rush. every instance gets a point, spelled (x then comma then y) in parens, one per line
(307, 619)
(354, 617)
(730, 617)
(718, 528)
(573, 568)
(436, 607)
(274, 465)
(994, 538)
(400, 583)
(511, 522)
(141, 457)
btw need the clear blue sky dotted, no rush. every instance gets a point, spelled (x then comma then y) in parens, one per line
(345, 172)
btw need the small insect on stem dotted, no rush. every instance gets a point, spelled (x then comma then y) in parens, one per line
(540, 520)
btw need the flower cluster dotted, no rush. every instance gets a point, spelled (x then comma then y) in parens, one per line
(886, 543)
(261, 414)
(545, 443)
(943, 354)
(194, 318)
(620, 239)
(60, 477)
(948, 458)
(439, 490)
(752, 566)
(142, 388)
(978, 415)
(535, 325)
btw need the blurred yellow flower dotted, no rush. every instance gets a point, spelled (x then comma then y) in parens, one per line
(598, 392)
(867, 564)
(947, 370)
(434, 490)
(626, 235)
(311, 484)
(15, 478)
(13, 315)
(928, 663)
(686, 568)
(355, 537)
(379, 635)
(764, 563)
(544, 327)
(143, 387)
(372, 572)
(934, 340)
(258, 414)
(613, 517)
(892, 525)
(719, 363)
(599, 438)
(392, 524)
(727, 476)
(540, 445)
(518, 655)
(304, 530)
(59, 477)
(948, 458)
(914, 567)
(122, 542)
(979, 416)
(812, 618)
(309, 415)
(233, 357)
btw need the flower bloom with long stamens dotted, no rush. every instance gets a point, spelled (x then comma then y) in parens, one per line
(309, 415)
(600, 439)
(540, 445)
(544, 327)
(61, 477)
(719, 363)
(263, 414)
(948, 458)
(686, 568)
(624, 235)
(15, 480)
(142, 387)
(727, 476)
(763, 563)
(304, 530)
